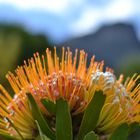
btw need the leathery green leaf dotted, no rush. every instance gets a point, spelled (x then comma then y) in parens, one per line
(6, 137)
(41, 135)
(91, 114)
(91, 136)
(133, 127)
(63, 121)
(40, 119)
(121, 133)
(50, 106)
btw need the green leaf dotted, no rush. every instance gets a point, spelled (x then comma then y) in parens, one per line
(63, 121)
(40, 119)
(133, 127)
(91, 114)
(44, 138)
(135, 135)
(50, 106)
(91, 136)
(6, 137)
(120, 133)
(41, 135)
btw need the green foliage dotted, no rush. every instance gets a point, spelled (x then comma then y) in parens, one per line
(135, 135)
(121, 133)
(63, 121)
(39, 117)
(133, 127)
(91, 114)
(91, 136)
(50, 106)
(41, 135)
(17, 45)
(130, 65)
(6, 137)
(63, 125)
(9, 53)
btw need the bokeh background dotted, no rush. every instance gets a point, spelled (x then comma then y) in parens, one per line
(110, 29)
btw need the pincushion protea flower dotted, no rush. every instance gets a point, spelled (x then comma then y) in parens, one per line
(57, 80)
(15, 116)
(77, 86)
(122, 101)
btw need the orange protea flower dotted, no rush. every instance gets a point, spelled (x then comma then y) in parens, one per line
(122, 100)
(54, 81)
(57, 79)
(74, 83)
(15, 116)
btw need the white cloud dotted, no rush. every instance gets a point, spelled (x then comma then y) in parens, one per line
(92, 17)
(55, 6)
(88, 20)
(119, 10)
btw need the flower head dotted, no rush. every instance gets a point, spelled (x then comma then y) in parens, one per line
(52, 81)
(15, 116)
(69, 78)
(56, 80)
(122, 100)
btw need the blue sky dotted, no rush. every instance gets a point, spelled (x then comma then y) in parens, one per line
(63, 19)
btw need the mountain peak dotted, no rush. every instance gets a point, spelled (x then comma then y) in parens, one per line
(111, 43)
